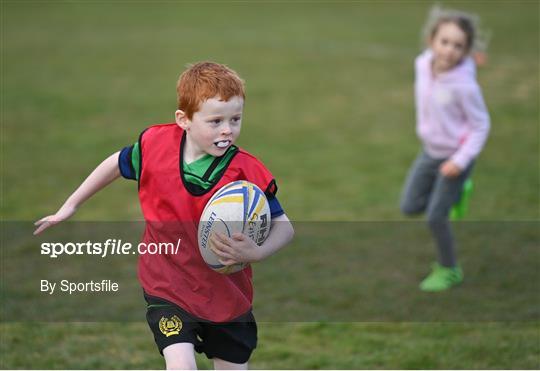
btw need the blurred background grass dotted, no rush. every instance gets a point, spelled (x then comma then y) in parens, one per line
(329, 110)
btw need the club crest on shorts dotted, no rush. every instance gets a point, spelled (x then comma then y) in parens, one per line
(170, 326)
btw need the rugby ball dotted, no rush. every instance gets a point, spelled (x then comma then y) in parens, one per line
(239, 206)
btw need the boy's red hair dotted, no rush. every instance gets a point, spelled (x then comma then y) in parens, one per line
(205, 80)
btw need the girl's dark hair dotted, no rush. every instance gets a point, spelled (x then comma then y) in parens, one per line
(468, 23)
(464, 23)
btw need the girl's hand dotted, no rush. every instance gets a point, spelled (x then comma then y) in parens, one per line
(480, 58)
(449, 169)
(64, 213)
(239, 248)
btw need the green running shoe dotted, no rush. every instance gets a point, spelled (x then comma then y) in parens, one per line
(460, 208)
(442, 278)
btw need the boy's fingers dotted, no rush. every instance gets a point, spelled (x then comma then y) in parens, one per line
(220, 253)
(223, 256)
(44, 224)
(41, 228)
(214, 248)
(40, 221)
(222, 238)
(216, 241)
(219, 246)
(238, 236)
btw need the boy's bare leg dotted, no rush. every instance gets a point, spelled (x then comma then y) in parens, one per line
(180, 356)
(220, 364)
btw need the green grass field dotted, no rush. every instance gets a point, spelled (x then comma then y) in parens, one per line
(330, 111)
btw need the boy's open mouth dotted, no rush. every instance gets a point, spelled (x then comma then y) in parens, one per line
(222, 143)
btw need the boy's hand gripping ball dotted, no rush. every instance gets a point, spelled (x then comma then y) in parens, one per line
(238, 207)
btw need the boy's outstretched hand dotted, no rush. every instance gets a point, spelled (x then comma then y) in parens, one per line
(64, 213)
(102, 175)
(238, 248)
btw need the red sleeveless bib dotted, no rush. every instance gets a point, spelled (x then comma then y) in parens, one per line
(172, 212)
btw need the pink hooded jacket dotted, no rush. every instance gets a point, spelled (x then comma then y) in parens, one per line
(451, 117)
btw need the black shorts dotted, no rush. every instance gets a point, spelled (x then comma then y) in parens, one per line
(231, 341)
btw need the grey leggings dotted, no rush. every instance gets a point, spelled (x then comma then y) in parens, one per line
(426, 190)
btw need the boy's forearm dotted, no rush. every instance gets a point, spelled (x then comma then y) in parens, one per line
(102, 175)
(281, 233)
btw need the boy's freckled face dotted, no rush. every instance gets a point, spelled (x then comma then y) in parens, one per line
(449, 46)
(215, 126)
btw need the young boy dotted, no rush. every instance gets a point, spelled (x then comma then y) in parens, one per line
(178, 168)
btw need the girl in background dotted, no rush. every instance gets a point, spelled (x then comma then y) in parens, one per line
(452, 123)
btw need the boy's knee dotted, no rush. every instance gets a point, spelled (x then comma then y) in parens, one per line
(180, 356)
(220, 364)
(181, 364)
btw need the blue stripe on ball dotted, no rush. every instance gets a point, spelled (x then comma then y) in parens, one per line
(255, 201)
(229, 186)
